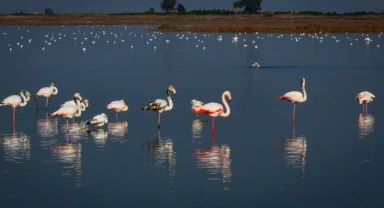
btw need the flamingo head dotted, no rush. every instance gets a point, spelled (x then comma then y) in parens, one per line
(302, 82)
(76, 100)
(26, 93)
(52, 84)
(78, 95)
(171, 88)
(228, 94)
(125, 108)
(86, 102)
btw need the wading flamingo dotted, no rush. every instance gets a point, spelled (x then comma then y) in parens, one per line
(295, 97)
(98, 120)
(117, 106)
(215, 109)
(83, 106)
(46, 92)
(161, 105)
(15, 101)
(68, 111)
(364, 98)
(195, 104)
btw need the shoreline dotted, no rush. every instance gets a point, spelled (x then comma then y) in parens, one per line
(279, 23)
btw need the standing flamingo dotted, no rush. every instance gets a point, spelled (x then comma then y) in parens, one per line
(83, 105)
(46, 92)
(216, 109)
(295, 97)
(117, 106)
(364, 98)
(195, 104)
(68, 111)
(161, 105)
(15, 101)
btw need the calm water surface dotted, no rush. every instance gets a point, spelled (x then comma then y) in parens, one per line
(331, 157)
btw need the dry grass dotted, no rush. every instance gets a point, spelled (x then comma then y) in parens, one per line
(212, 23)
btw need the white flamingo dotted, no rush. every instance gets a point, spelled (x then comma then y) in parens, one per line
(83, 104)
(195, 104)
(161, 105)
(98, 120)
(68, 111)
(117, 106)
(295, 97)
(216, 109)
(16, 100)
(46, 92)
(364, 98)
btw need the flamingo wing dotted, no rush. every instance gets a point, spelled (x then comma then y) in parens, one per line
(13, 100)
(292, 96)
(96, 120)
(45, 91)
(156, 105)
(67, 111)
(117, 105)
(210, 109)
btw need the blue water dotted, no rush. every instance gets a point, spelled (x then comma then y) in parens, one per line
(331, 157)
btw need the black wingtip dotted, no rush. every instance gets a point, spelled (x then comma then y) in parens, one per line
(142, 108)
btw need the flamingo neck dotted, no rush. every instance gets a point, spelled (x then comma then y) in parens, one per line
(55, 90)
(227, 109)
(304, 93)
(78, 112)
(24, 103)
(170, 103)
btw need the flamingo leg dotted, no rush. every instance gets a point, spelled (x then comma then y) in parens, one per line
(294, 112)
(117, 117)
(363, 107)
(14, 128)
(213, 126)
(67, 125)
(46, 104)
(366, 107)
(158, 121)
(73, 119)
(14, 115)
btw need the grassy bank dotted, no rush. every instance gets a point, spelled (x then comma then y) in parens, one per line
(266, 22)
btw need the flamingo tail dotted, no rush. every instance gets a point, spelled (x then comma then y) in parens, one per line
(53, 114)
(282, 98)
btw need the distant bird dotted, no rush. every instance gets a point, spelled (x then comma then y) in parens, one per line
(195, 104)
(68, 111)
(117, 106)
(46, 92)
(161, 105)
(215, 109)
(364, 98)
(295, 97)
(256, 65)
(15, 101)
(98, 120)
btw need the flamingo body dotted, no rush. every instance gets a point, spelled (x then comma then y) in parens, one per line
(16, 101)
(117, 106)
(46, 92)
(295, 97)
(68, 111)
(98, 120)
(364, 98)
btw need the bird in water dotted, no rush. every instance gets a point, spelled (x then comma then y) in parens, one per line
(161, 105)
(46, 92)
(364, 98)
(98, 120)
(216, 109)
(117, 106)
(195, 104)
(16, 101)
(83, 104)
(68, 111)
(295, 97)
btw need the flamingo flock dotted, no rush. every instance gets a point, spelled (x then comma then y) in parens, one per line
(74, 107)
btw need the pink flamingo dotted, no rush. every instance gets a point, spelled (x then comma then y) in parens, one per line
(68, 111)
(117, 106)
(46, 92)
(364, 98)
(215, 109)
(161, 105)
(295, 97)
(15, 101)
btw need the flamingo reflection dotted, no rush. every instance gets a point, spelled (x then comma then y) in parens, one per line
(76, 130)
(161, 153)
(198, 126)
(295, 148)
(118, 130)
(99, 135)
(70, 155)
(16, 146)
(217, 160)
(365, 124)
(47, 128)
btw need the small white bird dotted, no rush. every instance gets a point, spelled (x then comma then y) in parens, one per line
(117, 106)
(15, 101)
(256, 65)
(98, 120)
(46, 92)
(364, 98)
(195, 104)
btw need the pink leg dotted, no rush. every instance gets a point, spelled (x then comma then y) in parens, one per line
(366, 107)
(294, 112)
(117, 117)
(14, 128)
(14, 115)
(73, 119)
(158, 121)
(213, 140)
(46, 104)
(67, 125)
(158, 134)
(213, 126)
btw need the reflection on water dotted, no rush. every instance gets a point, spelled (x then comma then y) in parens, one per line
(161, 153)
(47, 128)
(99, 135)
(197, 127)
(17, 147)
(76, 130)
(295, 148)
(117, 130)
(216, 160)
(70, 155)
(365, 123)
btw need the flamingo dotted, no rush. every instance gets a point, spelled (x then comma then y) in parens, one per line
(161, 105)
(15, 101)
(98, 120)
(117, 106)
(295, 97)
(364, 98)
(46, 92)
(68, 111)
(83, 106)
(215, 109)
(195, 104)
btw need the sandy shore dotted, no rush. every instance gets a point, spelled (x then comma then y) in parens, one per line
(282, 23)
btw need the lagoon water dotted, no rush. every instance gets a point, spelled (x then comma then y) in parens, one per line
(331, 157)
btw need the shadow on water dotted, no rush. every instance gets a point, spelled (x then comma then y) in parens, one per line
(161, 153)
(365, 124)
(295, 148)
